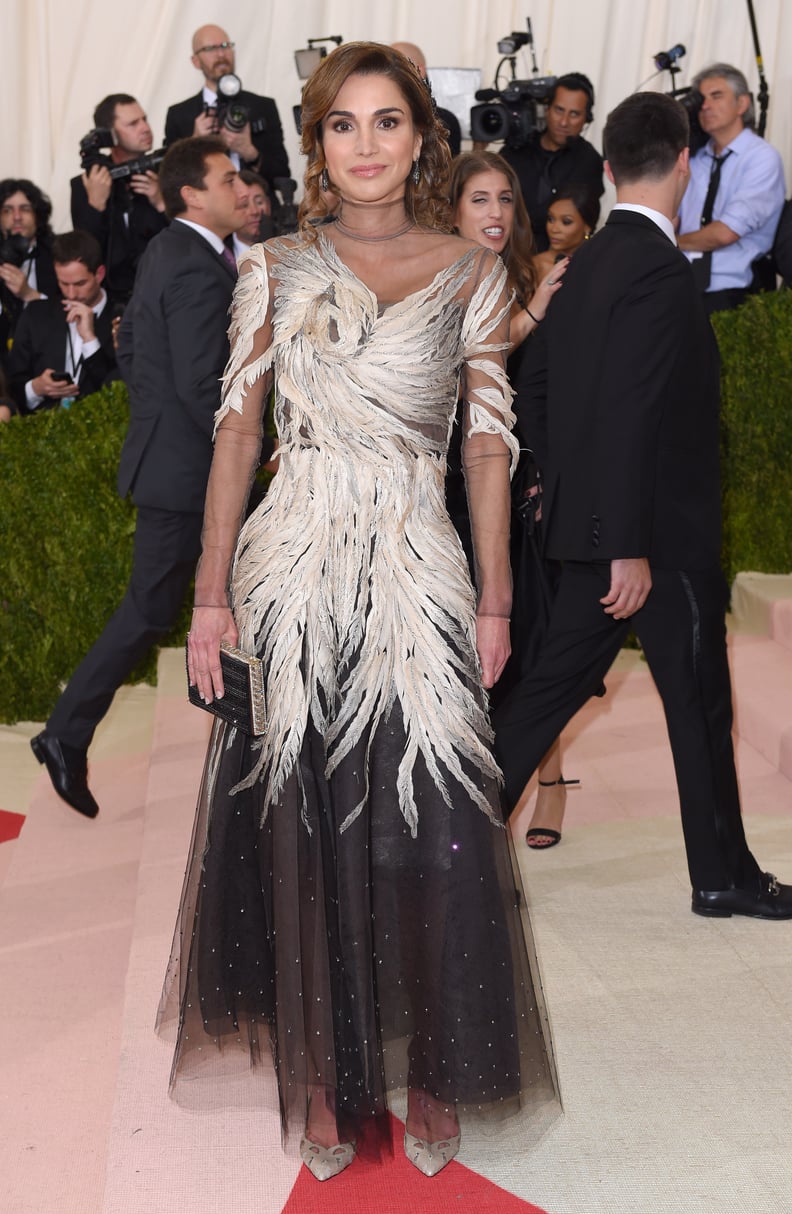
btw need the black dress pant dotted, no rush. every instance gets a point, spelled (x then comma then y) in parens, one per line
(166, 548)
(723, 301)
(683, 633)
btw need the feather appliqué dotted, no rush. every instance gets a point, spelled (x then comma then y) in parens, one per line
(350, 580)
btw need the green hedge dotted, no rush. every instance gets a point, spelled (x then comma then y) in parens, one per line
(756, 434)
(66, 538)
(65, 547)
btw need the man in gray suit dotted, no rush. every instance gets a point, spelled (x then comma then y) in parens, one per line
(172, 350)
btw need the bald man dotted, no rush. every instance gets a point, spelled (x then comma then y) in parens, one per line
(258, 146)
(449, 120)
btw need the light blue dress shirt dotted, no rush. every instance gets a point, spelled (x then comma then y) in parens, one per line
(749, 201)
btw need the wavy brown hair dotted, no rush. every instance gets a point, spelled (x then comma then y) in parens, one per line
(427, 202)
(520, 248)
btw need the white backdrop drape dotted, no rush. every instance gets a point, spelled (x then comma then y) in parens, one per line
(59, 59)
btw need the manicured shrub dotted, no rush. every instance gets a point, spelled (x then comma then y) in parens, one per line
(756, 434)
(66, 537)
(65, 547)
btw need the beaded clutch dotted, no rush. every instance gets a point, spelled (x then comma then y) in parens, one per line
(243, 681)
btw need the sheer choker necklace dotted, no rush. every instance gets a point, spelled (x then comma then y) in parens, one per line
(406, 227)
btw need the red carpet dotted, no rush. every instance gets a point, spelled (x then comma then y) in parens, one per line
(396, 1187)
(10, 825)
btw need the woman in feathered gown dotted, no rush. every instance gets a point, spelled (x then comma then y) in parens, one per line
(351, 899)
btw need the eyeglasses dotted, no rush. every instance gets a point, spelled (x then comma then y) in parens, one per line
(216, 46)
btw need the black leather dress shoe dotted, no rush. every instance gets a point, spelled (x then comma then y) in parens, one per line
(770, 900)
(68, 770)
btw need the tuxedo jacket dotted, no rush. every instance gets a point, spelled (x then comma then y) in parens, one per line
(619, 395)
(41, 342)
(123, 242)
(268, 141)
(172, 350)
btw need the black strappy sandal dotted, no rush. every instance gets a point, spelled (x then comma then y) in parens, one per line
(535, 833)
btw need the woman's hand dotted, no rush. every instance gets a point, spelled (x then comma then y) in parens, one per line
(210, 626)
(540, 300)
(527, 318)
(493, 645)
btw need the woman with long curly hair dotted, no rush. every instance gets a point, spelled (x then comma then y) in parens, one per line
(351, 897)
(487, 206)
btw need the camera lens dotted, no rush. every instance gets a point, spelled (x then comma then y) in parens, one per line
(235, 117)
(492, 121)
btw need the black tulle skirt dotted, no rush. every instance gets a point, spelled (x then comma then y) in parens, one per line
(366, 960)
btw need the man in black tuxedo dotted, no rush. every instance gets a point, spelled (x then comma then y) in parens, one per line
(259, 144)
(123, 213)
(172, 349)
(63, 346)
(627, 432)
(26, 268)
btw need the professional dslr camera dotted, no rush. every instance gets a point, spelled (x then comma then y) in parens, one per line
(14, 250)
(229, 112)
(91, 153)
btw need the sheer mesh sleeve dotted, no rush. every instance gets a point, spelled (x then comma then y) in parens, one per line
(489, 449)
(238, 427)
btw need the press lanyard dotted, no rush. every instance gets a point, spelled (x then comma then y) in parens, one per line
(75, 370)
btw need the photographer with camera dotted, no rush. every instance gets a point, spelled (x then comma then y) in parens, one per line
(733, 202)
(63, 347)
(117, 196)
(558, 155)
(26, 269)
(249, 125)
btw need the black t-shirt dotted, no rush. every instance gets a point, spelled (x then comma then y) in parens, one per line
(542, 174)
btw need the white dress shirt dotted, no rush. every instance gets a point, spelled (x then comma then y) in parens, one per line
(77, 351)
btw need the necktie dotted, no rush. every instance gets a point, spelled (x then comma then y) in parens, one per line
(702, 266)
(229, 257)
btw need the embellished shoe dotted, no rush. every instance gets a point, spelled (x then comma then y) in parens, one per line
(430, 1157)
(326, 1162)
(541, 837)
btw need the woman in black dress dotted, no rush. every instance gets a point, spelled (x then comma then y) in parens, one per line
(487, 207)
(351, 905)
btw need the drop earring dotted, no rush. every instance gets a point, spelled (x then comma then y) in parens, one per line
(324, 180)
(416, 172)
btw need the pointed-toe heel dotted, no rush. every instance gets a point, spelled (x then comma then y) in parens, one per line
(430, 1157)
(325, 1162)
